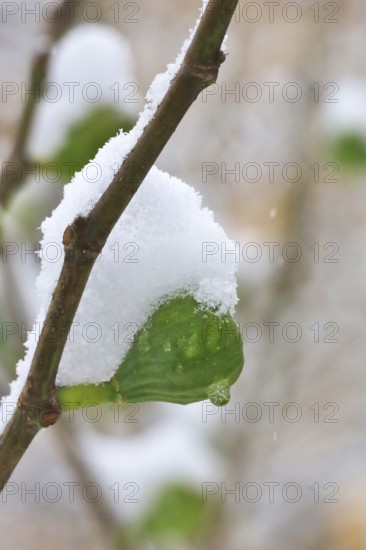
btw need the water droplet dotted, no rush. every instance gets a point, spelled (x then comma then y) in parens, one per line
(179, 369)
(182, 342)
(190, 345)
(219, 393)
(167, 346)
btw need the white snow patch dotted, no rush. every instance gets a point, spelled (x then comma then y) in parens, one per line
(91, 66)
(171, 452)
(345, 110)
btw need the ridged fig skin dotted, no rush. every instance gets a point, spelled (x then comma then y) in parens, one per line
(183, 354)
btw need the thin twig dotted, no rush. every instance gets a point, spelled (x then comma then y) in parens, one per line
(66, 434)
(12, 173)
(13, 170)
(85, 237)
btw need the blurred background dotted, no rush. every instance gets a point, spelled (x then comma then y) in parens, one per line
(278, 150)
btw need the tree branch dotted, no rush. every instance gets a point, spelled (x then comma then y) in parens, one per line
(12, 170)
(85, 237)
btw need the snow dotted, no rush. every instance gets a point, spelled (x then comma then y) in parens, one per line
(345, 110)
(154, 251)
(176, 452)
(91, 66)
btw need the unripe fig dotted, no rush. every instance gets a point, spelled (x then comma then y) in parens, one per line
(184, 353)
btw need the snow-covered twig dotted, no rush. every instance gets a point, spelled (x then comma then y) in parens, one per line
(85, 237)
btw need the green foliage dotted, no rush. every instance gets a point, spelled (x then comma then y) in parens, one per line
(177, 513)
(183, 354)
(86, 137)
(349, 150)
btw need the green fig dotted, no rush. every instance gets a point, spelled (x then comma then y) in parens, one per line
(184, 353)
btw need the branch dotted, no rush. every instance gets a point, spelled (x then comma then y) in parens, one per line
(67, 435)
(12, 179)
(84, 239)
(12, 171)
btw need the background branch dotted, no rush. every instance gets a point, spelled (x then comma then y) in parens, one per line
(66, 434)
(85, 237)
(13, 169)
